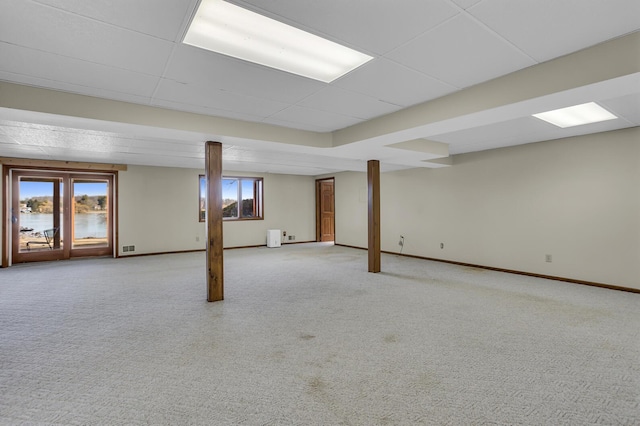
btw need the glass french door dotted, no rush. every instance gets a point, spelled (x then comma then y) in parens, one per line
(89, 213)
(59, 215)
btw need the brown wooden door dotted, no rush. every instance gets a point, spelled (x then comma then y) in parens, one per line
(326, 210)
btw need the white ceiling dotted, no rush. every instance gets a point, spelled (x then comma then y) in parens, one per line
(131, 51)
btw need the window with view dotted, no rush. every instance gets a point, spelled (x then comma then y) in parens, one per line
(241, 198)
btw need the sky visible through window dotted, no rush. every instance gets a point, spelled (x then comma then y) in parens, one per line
(42, 189)
(35, 189)
(229, 188)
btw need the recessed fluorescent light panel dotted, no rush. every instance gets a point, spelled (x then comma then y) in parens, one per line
(576, 115)
(231, 30)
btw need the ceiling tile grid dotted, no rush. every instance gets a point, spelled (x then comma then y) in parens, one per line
(204, 96)
(69, 71)
(451, 50)
(626, 107)
(339, 101)
(546, 29)
(131, 51)
(180, 106)
(133, 15)
(73, 88)
(466, 4)
(314, 117)
(373, 26)
(193, 65)
(403, 86)
(40, 27)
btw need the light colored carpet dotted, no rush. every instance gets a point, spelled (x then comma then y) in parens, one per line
(306, 336)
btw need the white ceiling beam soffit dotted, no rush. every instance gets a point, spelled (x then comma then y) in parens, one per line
(518, 87)
(614, 60)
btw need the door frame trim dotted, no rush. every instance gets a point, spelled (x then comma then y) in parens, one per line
(318, 210)
(6, 205)
(71, 168)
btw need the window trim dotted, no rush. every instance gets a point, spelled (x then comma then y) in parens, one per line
(258, 198)
(202, 198)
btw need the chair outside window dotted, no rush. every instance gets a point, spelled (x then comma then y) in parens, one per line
(49, 235)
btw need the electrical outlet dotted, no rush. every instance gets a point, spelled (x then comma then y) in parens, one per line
(284, 233)
(548, 258)
(441, 245)
(401, 242)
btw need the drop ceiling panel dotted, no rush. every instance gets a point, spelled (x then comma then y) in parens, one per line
(72, 88)
(179, 106)
(165, 22)
(297, 125)
(69, 71)
(170, 90)
(340, 101)
(402, 86)
(466, 4)
(452, 50)
(372, 26)
(627, 107)
(517, 132)
(314, 117)
(193, 65)
(546, 29)
(123, 49)
(33, 25)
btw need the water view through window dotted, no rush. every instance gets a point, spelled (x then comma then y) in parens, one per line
(241, 198)
(89, 214)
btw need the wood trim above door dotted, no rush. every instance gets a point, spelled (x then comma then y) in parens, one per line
(61, 165)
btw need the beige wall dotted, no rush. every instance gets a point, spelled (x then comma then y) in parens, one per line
(2, 216)
(289, 205)
(577, 199)
(158, 210)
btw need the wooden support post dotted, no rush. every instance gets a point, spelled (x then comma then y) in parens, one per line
(57, 229)
(215, 269)
(373, 183)
(7, 215)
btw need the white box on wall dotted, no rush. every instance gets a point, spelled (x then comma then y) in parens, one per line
(273, 238)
